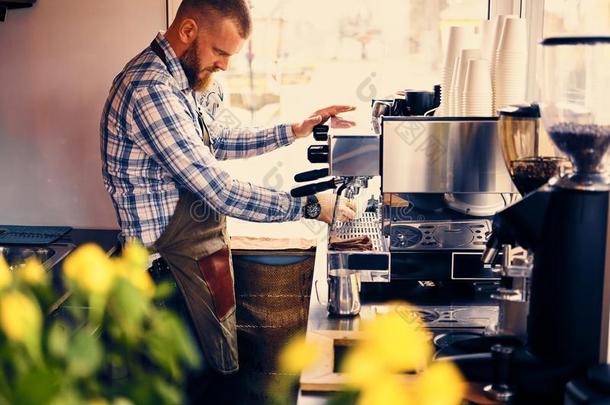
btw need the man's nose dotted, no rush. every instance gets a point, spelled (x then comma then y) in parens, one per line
(222, 64)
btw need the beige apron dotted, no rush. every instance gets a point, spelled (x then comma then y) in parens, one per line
(195, 247)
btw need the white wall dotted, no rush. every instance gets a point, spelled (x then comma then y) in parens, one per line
(57, 61)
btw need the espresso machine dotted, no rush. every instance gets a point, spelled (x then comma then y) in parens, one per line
(431, 186)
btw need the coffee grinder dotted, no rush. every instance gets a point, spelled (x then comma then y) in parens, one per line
(564, 225)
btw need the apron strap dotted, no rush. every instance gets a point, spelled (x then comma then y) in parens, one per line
(156, 48)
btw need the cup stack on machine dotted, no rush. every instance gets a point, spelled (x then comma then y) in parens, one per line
(482, 74)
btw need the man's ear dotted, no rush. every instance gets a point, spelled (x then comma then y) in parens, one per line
(188, 31)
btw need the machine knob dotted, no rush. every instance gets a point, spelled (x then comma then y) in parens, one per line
(320, 133)
(500, 389)
(320, 136)
(317, 153)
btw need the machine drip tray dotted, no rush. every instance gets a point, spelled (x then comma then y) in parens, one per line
(434, 235)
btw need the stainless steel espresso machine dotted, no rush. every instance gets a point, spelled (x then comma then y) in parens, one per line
(430, 185)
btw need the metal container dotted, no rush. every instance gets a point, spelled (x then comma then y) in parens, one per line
(575, 107)
(354, 154)
(343, 292)
(443, 155)
(529, 154)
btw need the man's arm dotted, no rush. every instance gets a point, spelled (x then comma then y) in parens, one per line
(167, 133)
(240, 143)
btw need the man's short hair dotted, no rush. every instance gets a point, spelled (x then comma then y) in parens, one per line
(238, 10)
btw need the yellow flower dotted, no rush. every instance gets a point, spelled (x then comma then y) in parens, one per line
(398, 339)
(135, 255)
(363, 368)
(6, 277)
(392, 389)
(138, 277)
(297, 355)
(33, 272)
(90, 269)
(440, 384)
(142, 281)
(20, 317)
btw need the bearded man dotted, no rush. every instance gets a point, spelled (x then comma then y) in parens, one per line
(160, 166)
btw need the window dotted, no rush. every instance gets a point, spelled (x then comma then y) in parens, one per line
(564, 17)
(305, 55)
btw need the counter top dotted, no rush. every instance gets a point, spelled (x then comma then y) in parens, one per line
(320, 323)
(106, 238)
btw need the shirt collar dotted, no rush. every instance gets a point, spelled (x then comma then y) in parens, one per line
(175, 68)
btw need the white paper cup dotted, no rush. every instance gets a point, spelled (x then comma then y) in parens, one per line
(477, 98)
(478, 79)
(456, 41)
(453, 107)
(465, 56)
(514, 36)
(488, 28)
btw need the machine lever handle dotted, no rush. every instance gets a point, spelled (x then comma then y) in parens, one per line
(314, 188)
(311, 175)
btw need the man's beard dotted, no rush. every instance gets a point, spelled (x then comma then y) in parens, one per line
(192, 69)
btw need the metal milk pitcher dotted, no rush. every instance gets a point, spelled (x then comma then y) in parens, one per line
(343, 292)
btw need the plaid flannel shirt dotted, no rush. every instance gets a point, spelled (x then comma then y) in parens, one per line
(151, 147)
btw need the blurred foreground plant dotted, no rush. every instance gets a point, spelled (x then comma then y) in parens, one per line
(109, 345)
(391, 364)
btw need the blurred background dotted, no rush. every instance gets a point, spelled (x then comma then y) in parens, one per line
(302, 56)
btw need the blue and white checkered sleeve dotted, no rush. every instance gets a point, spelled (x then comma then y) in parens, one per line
(167, 133)
(229, 141)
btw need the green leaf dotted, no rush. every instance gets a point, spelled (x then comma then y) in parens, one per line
(129, 306)
(66, 397)
(163, 291)
(169, 344)
(37, 387)
(186, 345)
(84, 355)
(58, 340)
(169, 394)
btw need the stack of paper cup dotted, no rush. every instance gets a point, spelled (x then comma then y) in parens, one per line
(457, 40)
(488, 31)
(477, 97)
(498, 26)
(453, 110)
(510, 72)
(458, 85)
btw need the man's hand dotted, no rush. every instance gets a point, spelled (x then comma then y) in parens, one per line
(303, 129)
(345, 209)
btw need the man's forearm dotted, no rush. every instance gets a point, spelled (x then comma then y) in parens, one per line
(242, 143)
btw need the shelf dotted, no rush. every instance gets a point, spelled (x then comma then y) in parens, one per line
(17, 3)
(12, 4)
